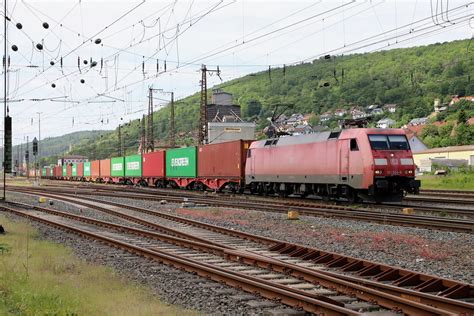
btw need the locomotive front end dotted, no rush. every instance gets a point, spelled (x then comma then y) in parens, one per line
(393, 167)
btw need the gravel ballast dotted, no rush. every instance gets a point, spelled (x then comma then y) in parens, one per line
(172, 285)
(441, 253)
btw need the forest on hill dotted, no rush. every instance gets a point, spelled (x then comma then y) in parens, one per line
(412, 78)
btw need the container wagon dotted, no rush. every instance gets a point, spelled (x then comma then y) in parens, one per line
(223, 165)
(104, 173)
(86, 171)
(117, 169)
(133, 169)
(95, 171)
(181, 167)
(153, 168)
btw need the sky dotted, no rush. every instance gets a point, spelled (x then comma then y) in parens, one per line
(137, 44)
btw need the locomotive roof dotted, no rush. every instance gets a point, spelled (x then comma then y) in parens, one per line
(324, 136)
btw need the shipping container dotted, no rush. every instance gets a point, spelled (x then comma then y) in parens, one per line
(133, 166)
(117, 167)
(69, 171)
(64, 173)
(87, 169)
(80, 169)
(74, 170)
(223, 160)
(49, 171)
(95, 169)
(58, 171)
(43, 172)
(104, 168)
(181, 163)
(153, 164)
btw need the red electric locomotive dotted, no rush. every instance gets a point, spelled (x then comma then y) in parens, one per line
(370, 164)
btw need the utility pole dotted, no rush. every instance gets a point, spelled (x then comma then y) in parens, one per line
(5, 70)
(172, 131)
(39, 134)
(120, 140)
(143, 136)
(39, 145)
(203, 108)
(150, 143)
(27, 157)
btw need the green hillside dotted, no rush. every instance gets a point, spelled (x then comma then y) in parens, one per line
(52, 147)
(410, 77)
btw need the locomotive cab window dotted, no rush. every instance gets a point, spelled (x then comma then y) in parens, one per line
(354, 146)
(388, 142)
(398, 142)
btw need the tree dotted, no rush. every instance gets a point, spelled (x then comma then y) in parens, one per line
(254, 108)
(464, 134)
(462, 117)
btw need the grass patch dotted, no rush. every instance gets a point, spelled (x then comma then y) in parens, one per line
(43, 278)
(453, 181)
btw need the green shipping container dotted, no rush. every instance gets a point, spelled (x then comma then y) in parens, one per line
(43, 172)
(181, 162)
(117, 167)
(74, 170)
(64, 171)
(87, 169)
(133, 166)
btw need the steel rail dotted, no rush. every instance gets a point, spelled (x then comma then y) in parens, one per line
(399, 277)
(327, 280)
(440, 223)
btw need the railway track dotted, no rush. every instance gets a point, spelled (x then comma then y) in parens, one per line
(417, 203)
(298, 276)
(336, 211)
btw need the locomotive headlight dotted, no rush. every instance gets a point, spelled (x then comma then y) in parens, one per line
(409, 171)
(378, 171)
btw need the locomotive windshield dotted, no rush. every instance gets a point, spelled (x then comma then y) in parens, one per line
(388, 142)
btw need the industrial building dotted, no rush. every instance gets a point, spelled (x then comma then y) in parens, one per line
(453, 155)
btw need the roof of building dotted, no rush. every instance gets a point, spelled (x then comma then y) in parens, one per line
(447, 149)
(386, 120)
(74, 157)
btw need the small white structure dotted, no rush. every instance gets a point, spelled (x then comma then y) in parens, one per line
(340, 112)
(223, 132)
(325, 117)
(385, 123)
(392, 107)
(418, 121)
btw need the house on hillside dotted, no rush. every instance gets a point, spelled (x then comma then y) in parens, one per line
(386, 123)
(438, 106)
(302, 129)
(340, 112)
(375, 109)
(418, 121)
(325, 117)
(456, 99)
(391, 108)
(357, 114)
(295, 119)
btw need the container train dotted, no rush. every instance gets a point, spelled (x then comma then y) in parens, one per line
(354, 164)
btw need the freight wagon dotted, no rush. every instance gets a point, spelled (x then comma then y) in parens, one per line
(181, 167)
(222, 165)
(133, 169)
(117, 169)
(153, 169)
(104, 171)
(86, 170)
